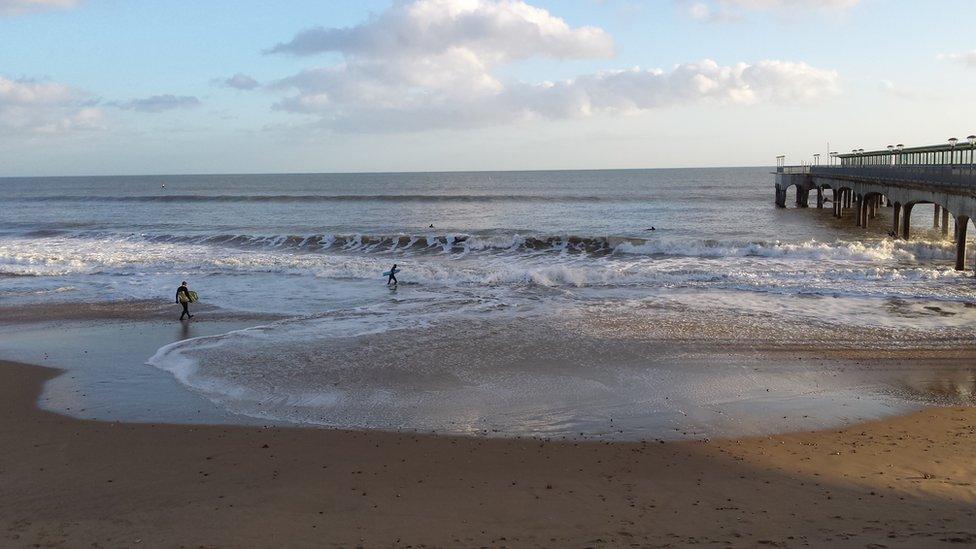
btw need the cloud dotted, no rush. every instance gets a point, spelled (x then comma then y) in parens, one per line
(158, 103)
(609, 92)
(434, 64)
(790, 4)
(733, 10)
(10, 8)
(239, 81)
(703, 12)
(493, 30)
(889, 88)
(967, 58)
(32, 107)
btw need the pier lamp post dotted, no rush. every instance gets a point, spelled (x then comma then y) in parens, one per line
(891, 155)
(972, 146)
(901, 159)
(952, 150)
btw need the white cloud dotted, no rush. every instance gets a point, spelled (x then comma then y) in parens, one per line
(733, 10)
(892, 89)
(967, 58)
(788, 4)
(18, 7)
(239, 81)
(433, 64)
(699, 11)
(159, 103)
(492, 30)
(610, 92)
(31, 107)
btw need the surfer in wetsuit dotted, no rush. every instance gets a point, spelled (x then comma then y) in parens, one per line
(183, 298)
(392, 279)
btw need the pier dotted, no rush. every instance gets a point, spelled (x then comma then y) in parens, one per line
(859, 183)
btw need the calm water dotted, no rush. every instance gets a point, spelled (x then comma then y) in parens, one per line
(519, 267)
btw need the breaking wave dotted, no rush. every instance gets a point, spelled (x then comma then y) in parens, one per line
(883, 268)
(459, 243)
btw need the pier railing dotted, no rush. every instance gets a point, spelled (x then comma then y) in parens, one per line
(951, 164)
(961, 176)
(952, 153)
(793, 169)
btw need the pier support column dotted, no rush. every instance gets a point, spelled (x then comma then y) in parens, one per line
(836, 201)
(859, 214)
(864, 209)
(780, 197)
(935, 216)
(850, 198)
(945, 222)
(906, 222)
(820, 197)
(962, 223)
(895, 219)
(873, 207)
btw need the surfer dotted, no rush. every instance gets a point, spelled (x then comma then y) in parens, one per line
(392, 279)
(183, 298)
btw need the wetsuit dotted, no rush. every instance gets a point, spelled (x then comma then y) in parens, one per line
(392, 276)
(184, 302)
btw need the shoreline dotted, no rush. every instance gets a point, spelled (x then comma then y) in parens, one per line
(776, 386)
(70, 482)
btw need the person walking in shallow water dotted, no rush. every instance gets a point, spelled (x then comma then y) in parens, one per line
(392, 279)
(183, 298)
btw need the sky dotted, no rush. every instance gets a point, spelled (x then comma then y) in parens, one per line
(115, 87)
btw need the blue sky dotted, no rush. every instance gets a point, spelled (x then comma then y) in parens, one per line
(113, 87)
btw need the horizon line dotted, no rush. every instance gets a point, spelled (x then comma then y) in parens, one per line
(391, 172)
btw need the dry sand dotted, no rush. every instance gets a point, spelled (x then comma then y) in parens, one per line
(906, 482)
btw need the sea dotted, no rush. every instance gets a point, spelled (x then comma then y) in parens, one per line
(615, 303)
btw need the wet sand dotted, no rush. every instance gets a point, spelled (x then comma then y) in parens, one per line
(127, 310)
(908, 481)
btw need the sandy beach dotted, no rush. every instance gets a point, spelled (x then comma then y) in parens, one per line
(906, 481)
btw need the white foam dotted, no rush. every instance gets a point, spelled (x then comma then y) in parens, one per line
(881, 268)
(446, 379)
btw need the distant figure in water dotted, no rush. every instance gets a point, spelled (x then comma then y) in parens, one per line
(183, 298)
(392, 279)
(431, 226)
(652, 229)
